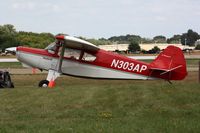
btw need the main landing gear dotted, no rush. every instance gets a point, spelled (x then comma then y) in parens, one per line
(55, 70)
(50, 81)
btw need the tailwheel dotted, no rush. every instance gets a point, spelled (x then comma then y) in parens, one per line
(43, 83)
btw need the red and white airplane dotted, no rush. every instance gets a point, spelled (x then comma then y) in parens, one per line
(72, 56)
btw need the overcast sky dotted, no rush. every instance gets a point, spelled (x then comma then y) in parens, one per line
(102, 18)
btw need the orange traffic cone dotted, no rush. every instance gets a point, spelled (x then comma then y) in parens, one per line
(33, 70)
(51, 84)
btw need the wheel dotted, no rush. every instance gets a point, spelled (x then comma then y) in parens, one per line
(43, 83)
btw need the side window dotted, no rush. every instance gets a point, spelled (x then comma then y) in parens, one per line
(71, 53)
(52, 48)
(88, 57)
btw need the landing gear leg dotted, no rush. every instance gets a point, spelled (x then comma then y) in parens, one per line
(50, 81)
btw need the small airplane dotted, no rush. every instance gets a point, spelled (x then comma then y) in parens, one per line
(76, 57)
(11, 50)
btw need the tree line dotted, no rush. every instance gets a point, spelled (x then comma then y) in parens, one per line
(9, 37)
(189, 38)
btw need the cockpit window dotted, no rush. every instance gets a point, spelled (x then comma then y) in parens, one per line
(71, 53)
(88, 57)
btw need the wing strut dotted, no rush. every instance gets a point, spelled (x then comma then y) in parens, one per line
(61, 58)
(57, 71)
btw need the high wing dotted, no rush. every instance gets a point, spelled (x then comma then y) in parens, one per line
(76, 43)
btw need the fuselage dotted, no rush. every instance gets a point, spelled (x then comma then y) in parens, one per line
(102, 64)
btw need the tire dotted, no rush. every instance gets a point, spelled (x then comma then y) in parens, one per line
(43, 83)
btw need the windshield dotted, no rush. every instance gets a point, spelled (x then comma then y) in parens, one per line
(51, 46)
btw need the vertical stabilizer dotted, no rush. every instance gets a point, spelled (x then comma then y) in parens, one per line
(170, 64)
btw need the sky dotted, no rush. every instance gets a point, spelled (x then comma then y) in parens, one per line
(102, 18)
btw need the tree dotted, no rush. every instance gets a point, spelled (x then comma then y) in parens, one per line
(8, 36)
(155, 49)
(134, 46)
(175, 39)
(159, 39)
(125, 39)
(189, 38)
(35, 39)
(147, 40)
(197, 47)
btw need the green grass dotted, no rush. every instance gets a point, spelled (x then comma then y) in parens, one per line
(86, 105)
(193, 62)
(10, 65)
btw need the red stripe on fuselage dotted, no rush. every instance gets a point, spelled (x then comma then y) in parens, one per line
(35, 51)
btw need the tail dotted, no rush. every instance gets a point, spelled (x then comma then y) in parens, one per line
(170, 64)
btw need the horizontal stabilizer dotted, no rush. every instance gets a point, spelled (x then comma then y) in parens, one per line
(164, 71)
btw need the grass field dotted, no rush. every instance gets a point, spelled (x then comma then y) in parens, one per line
(84, 105)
